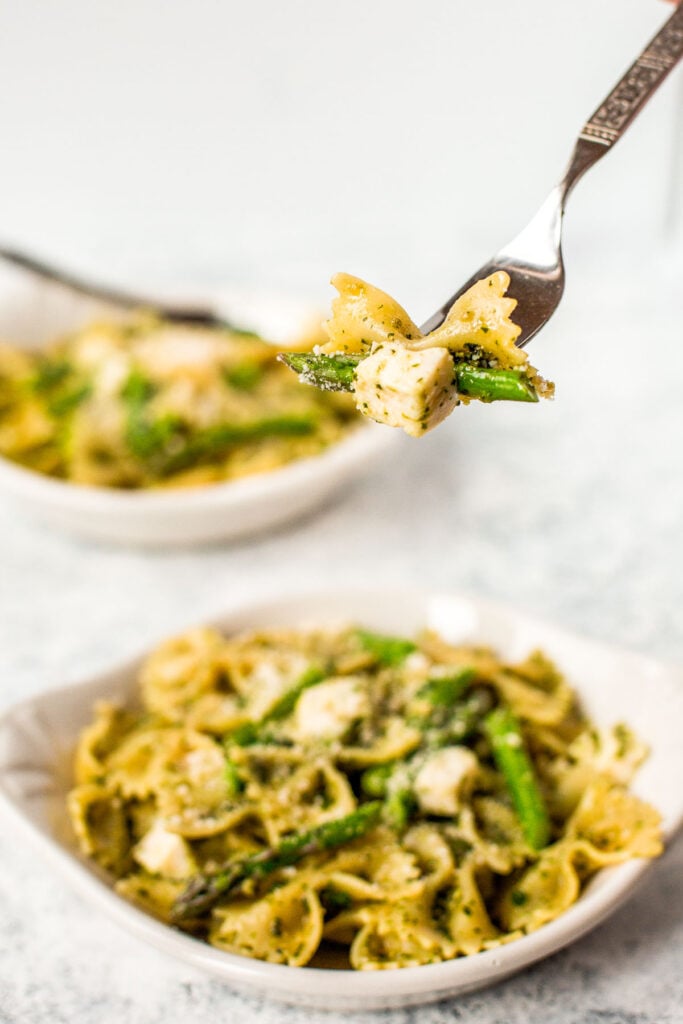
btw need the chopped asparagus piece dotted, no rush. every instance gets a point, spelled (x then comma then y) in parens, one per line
(491, 385)
(204, 891)
(50, 373)
(329, 373)
(233, 780)
(374, 780)
(514, 763)
(66, 401)
(251, 732)
(388, 650)
(445, 691)
(399, 806)
(244, 376)
(288, 701)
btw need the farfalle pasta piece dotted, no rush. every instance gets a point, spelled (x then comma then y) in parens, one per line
(180, 671)
(433, 855)
(363, 316)
(396, 740)
(313, 793)
(283, 927)
(99, 820)
(391, 869)
(481, 318)
(614, 752)
(152, 893)
(468, 920)
(136, 768)
(195, 798)
(542, 893)
(399, 935)
(614, 824)
(99, 739)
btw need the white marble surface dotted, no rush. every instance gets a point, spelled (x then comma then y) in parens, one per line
(573, 510)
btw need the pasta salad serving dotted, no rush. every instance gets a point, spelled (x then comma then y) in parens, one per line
(402, 378)
(280, 792)
(149, 404)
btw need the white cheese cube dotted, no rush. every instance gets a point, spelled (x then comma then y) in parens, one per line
(327, 710)
(164, 853)
(406, 388)
(440, 780)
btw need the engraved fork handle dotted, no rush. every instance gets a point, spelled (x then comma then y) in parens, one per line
(626, 100)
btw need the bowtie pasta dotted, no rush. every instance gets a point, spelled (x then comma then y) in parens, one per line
(151, 404)
(284, 793)
(403, 378)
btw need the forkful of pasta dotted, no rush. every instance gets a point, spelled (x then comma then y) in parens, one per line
(472, 348)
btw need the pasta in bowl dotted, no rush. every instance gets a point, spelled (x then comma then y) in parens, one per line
(143, 403)
(231, 484)
(403, 798)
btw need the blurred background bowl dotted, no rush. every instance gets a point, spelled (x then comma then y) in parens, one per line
(32, 312)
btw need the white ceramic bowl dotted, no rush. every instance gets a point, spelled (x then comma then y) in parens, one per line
(37, 740)
(32, 312)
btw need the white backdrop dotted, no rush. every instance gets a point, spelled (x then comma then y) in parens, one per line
(275, 142)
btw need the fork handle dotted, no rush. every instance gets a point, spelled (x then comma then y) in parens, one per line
(626, 100)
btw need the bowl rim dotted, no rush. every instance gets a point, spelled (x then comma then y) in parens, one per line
(414, 984)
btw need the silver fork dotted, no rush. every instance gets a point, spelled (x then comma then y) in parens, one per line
(533, 259)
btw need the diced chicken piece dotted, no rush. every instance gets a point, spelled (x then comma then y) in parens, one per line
(327, 710)
(92, 349)
(404, 388)
(441, 778)
(164, 853)
(112, 373)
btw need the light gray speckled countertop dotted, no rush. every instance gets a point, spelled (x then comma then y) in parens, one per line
(572, 510)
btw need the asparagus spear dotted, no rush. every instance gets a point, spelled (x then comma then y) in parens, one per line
(166, 443)
(204, 891)
(488, 384)
(514, 763)
(251, 732)
(213, 442)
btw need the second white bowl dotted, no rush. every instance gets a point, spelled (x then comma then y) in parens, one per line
(32, 312)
